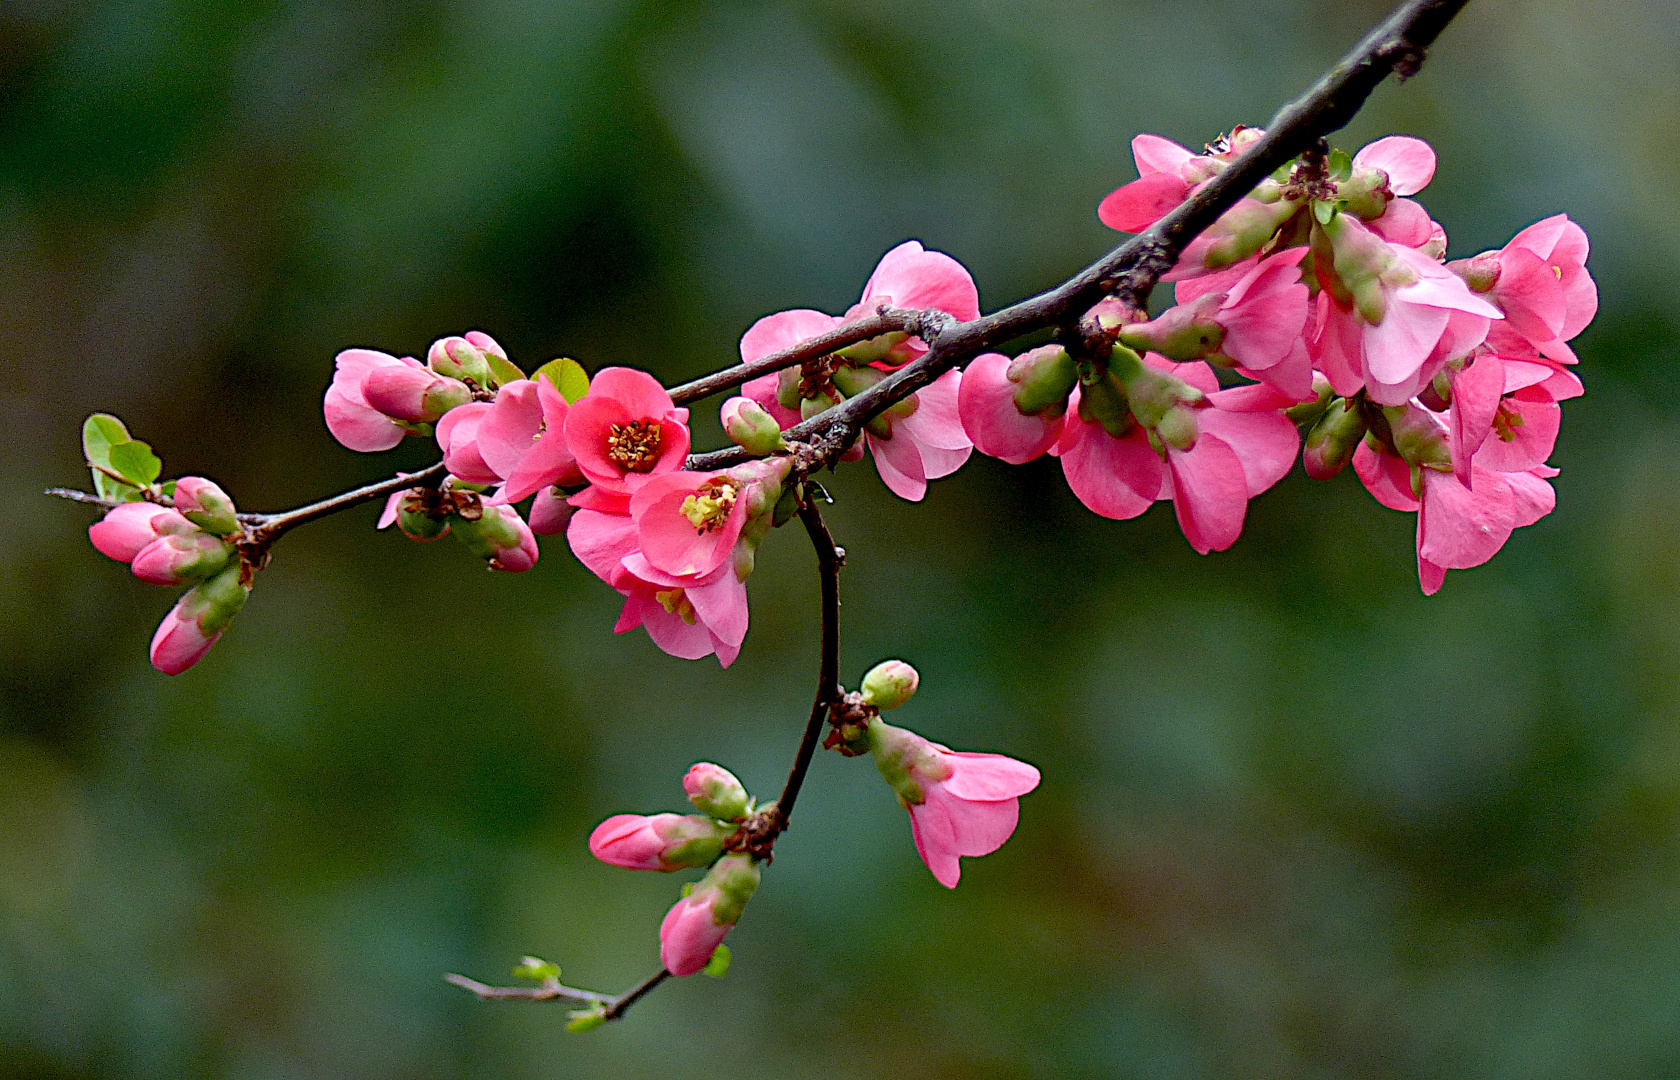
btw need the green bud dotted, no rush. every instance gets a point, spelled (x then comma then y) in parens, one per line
(853, 381)
(1418, 437)
(1333, 439)
(718, 966)
(1043, 377)
(889, 684)
(581, 1020)
(536, 969)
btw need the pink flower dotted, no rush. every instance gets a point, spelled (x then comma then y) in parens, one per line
(662, 842)
(1389, 316)
(625, 429)
(523, 439)
(697, 924)
(1409, 163)
(126, 529)
(1253, 323)
(457, 436)
(1167, 174)
(1459, 526)
(686, 617)
(991, 397)
(687, 523)
(1540, 281)
(352, 420)
(961, 804)
(1504, 412)
(716, 792)
(921, 438)
(1212, 450)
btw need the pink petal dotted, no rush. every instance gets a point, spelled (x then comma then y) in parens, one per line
(988, 777)
(899, 462)
(937, 420)
(1265, 443)
(1409, 162)
(1404, 222)
(1217, 281)
(1210, 493)
(1531, 295)
(763, 390)
(1532, 498)
(601, 541)
(1117, 478)
(1475, 398)
(1397, 347)
(910, 276)
(1265, 312)
(357, 426)
(1337, 348)
(721, 605)
(1464, 527)
(1156, 153)
(783, 330)
(986, 405)
(1386, 477)
(1133, 207)
(1534, 439)
(936, 841)
(1430, 576)
(510, 428)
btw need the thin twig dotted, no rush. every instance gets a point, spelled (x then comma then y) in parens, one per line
(83, 497)
(547, 990)
(830, 558)
(267, 528)
(624, 1001)
(884, 321)
(1132, 269)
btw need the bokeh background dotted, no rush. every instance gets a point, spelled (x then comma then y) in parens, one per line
(1296, 820)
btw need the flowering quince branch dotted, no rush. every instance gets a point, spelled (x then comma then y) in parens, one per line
(1315, 315)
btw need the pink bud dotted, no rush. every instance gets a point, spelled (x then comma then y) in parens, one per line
(714, 790)
(660, 842)
(181, 558)
(698, 923)
(550, 512)
(412, 394)
(205, 505)
(179, 642)
(126, 529)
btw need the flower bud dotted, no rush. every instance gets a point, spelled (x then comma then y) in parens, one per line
(1480, 272)
(697, 924)
(205, 505)
(501, 537)
(1331, 442)
(181, 558)
(125, 530)
(753, 429)
(1184, 332)
(1365, 192)
(1043, 378)
(853, 381)
(550, 512)
(1151, 394)
(1362, 263)
(413, 395)
(1418, 436)
(660, 842)
(1243, 230)
(714, 790)
(197, 621)
(459, 358)
(889, 684)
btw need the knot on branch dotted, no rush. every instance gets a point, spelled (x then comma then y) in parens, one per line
(848, 719)
(757, 834)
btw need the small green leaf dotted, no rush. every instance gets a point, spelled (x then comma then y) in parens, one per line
(1341, 165)
(582, 1020)
(134, 461)
(100, 432)
(504, 370)
(1323, 211)
(568, 377)
(718, 966)
(536, 969)
(688, 889)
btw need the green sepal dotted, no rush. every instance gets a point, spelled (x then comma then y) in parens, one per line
(568, 377)
(1323, 211)
(718, 966)
(503, 371)
(1341, 164)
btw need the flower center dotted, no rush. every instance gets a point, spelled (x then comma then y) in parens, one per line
(1506, 421)
(708, 508)
(675, 602)
(634, 446)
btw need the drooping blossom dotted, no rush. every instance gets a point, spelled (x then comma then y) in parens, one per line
(920, 438)
(960, 804)
(663, 842)
(697, 924)
(1540, 281)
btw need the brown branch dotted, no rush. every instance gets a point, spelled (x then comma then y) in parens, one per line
(830, 558)
(613, 1006)
(1131, 270)
(262, 530)
(886, 320)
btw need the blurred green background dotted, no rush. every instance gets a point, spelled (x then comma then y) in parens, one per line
(1296, 820)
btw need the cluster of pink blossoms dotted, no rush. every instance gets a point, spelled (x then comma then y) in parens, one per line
(960, 804)
(1318, 316)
